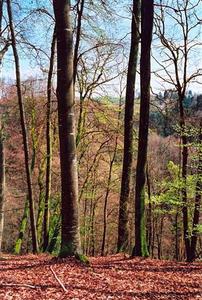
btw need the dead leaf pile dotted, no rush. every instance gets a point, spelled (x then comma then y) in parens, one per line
(112, 277)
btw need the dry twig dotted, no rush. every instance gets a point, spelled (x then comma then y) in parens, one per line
(18, 285)
(58, 280)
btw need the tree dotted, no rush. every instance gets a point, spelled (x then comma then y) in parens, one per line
(79, 8)
(94, 70)
(70, 239)
(196, 214)
(2, 184)
(48, 145)
(24, 130)
(128, 130)
(2, 155)
(147, 11)
(109, 179)
(177, 72)
(4, 42)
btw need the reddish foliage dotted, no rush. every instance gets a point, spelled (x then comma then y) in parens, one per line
(112, 277)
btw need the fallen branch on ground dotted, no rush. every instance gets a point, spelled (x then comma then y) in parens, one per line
(58, 280)
(18, 285)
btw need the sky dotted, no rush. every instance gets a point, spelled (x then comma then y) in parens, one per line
(37, 29)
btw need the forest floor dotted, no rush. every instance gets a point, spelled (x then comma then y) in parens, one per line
(112, 277)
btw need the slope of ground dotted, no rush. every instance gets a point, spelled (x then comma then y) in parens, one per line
(113, 277)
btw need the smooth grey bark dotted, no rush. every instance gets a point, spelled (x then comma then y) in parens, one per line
(70, 237)
(24, 130)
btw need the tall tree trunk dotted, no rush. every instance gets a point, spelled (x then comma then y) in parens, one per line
(92, 200)
(24, 220)
(109, 183)
(93, 231)
(80, 8)
(149, 214)
(176, 224)
(107, 198)
(106, 204)
(48, 145)
(122, 243)
(84, 225)
(41, 196)
(70, 238)
(159, 236)
(81, 120)
(196, 217)
(1, 15)
(1, 18)
(153, 237)
(184, 178)
(147, 11)
(93, 205)
(24, 131)
(2, 185)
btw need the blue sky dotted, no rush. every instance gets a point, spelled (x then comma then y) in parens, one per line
(39, 30)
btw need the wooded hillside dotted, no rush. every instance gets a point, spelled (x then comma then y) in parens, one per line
(100, 150)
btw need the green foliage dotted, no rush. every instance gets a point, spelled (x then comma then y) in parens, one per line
(168, 200)
(55, 224)
(85, 229)
(198, 229)
(82, 258)
(190, 131)
(23, 226)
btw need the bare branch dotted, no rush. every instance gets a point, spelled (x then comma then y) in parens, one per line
(18, 285)
(58, 280)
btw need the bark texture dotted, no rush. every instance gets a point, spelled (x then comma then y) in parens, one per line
(184, 175)
(24, 130)
(147, 11)
(48, 145)
(122, 243)
(70, 239)
(196, 217)
(2, 185)
(80, 8)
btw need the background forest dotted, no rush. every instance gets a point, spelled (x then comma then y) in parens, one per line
(106, 76)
